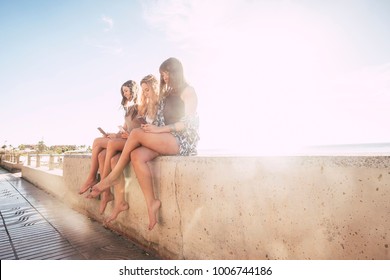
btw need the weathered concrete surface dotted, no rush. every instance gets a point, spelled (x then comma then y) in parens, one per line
(296, 207)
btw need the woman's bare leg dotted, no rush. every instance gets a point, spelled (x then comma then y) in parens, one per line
(101, 158)
(113, 147)
(106, 195)
(139, 158)
(98, 145)
(120, 203)
(124, 159)
(162, 143)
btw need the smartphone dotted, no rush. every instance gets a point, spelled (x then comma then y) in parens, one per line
(102, 131)
(142, 120)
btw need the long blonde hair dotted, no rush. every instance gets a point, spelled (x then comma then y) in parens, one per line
(148, 105)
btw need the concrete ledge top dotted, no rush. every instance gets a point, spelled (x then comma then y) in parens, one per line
(78, 155)
(373, 161)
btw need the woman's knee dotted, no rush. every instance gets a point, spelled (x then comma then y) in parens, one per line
(138, 156)
(98, 142)
(113, 146)
(136, 133)
(135, 156)
(110, 144)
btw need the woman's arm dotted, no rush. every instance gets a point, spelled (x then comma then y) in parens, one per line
(123, 133)
(190, 100)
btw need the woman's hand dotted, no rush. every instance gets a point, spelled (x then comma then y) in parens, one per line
(111, 135)
(150, 128)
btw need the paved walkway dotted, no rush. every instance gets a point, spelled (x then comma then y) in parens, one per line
(36, 225)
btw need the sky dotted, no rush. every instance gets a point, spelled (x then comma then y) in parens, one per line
(269, 75)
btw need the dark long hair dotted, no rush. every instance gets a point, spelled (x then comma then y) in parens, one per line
(177, 81)
(134, 90)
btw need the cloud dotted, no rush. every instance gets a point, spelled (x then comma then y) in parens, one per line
(106, 43)
(109, 22)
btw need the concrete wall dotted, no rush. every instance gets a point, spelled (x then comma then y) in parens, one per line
(50, 181)
(11, 166)
(250, 207)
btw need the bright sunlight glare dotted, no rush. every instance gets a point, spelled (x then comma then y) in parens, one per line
(272, 78)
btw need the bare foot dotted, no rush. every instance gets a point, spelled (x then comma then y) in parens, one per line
(117, 209)
(95, 191)
(101, 186)
(152, 212)
(87, 185)
(106, 198)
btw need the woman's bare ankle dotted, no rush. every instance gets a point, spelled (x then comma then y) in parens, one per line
(152, 212)
(106, 197)
(117, 210)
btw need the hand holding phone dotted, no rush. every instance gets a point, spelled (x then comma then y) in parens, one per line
(102, 131)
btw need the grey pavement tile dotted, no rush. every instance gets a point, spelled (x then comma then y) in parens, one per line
(36, 225)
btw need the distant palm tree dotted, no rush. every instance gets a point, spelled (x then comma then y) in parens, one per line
(41, 147)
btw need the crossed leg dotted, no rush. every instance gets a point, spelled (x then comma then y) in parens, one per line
(161, 143)
(99, 144)
(113, 147)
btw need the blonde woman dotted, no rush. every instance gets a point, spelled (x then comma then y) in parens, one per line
(149, 99)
